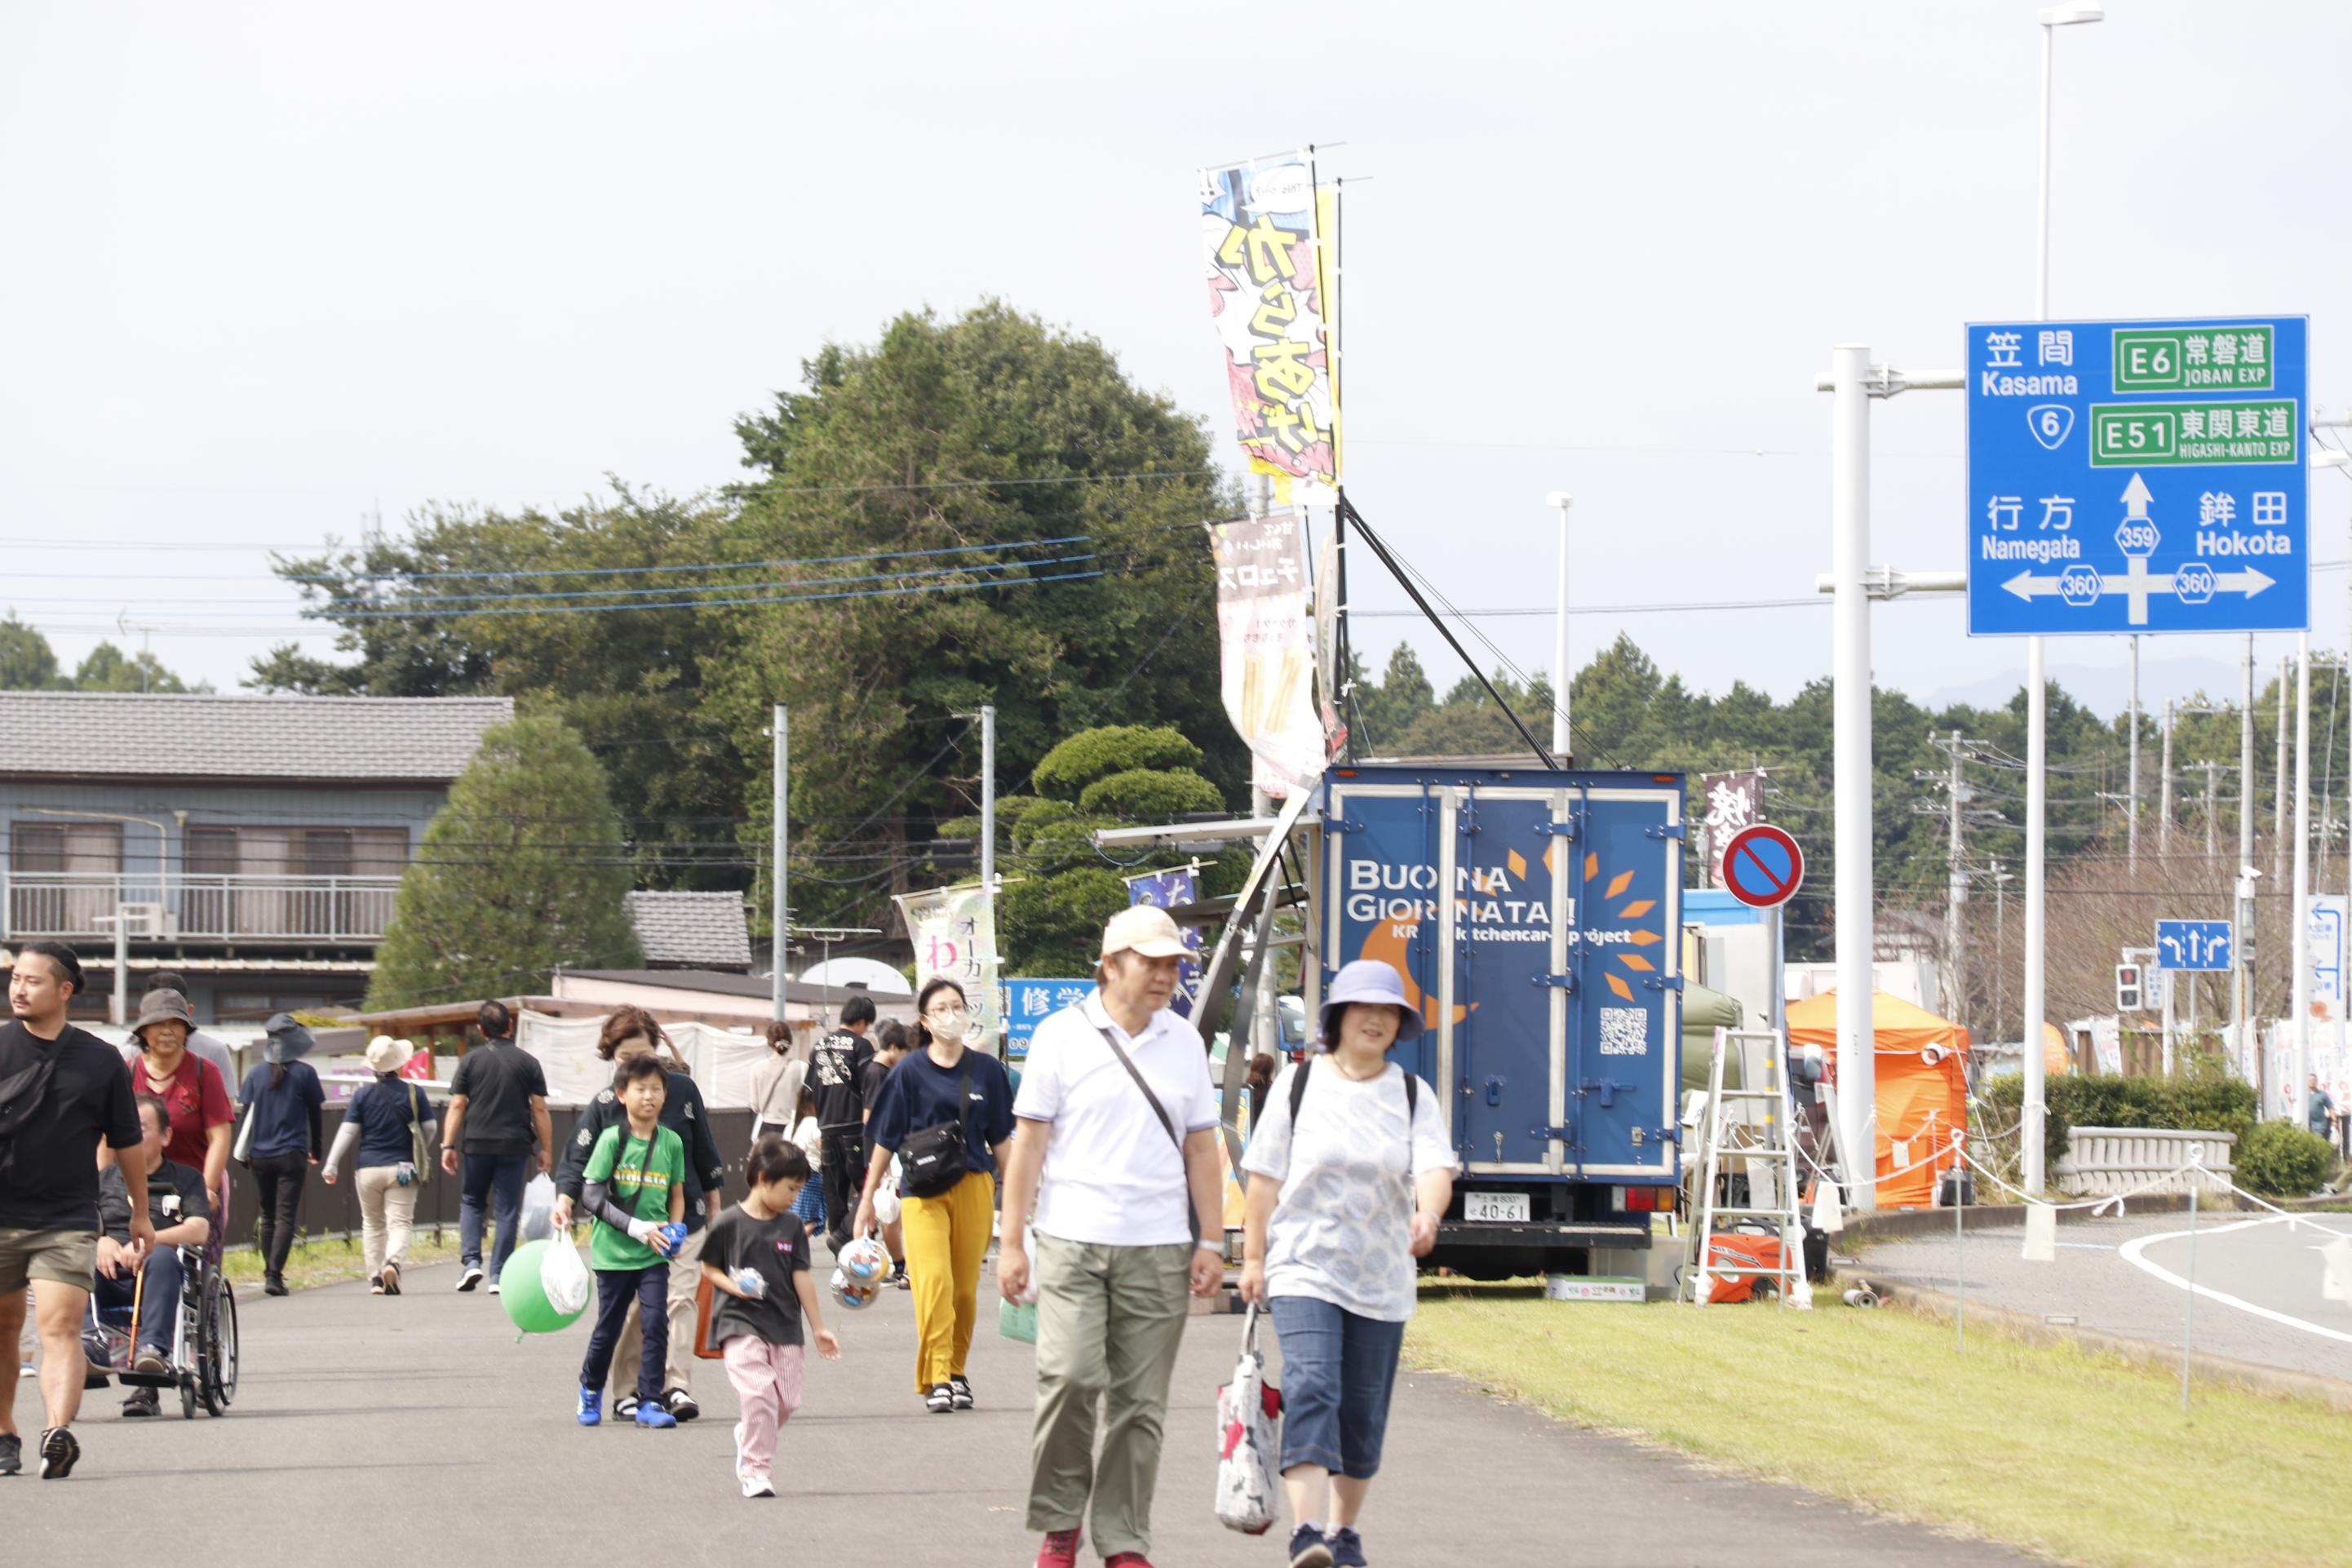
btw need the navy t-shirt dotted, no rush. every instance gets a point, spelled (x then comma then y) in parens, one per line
(385, 1110)
(284, 1119)
(920, 1093)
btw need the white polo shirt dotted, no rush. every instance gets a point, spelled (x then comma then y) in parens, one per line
(1113, 1176)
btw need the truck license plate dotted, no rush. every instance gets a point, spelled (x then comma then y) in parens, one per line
(1507, 1207)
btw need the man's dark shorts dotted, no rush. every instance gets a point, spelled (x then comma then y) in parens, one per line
(60, 1257)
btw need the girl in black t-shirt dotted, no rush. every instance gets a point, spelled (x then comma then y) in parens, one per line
(756, 1261)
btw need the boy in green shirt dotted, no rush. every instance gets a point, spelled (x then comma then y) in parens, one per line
(635, 1194)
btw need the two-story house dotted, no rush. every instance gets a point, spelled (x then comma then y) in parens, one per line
(253, 843)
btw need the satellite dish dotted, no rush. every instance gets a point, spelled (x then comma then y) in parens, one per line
(869, 974)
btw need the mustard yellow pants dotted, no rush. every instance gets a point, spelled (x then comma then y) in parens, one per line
(946, 1238)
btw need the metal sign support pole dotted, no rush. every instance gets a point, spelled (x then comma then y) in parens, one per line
(2299, 931)
(781, 920)
(1857, 1066)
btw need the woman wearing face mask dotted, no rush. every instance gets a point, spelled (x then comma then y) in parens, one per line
(630, 1032)
(1350, 1173)
(947, 1098)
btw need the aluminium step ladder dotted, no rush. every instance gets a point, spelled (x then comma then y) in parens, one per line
(1766, 1151)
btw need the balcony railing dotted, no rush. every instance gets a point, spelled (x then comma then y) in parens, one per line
(80, 905)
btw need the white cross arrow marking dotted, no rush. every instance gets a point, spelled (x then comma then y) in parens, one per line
(2137, 583)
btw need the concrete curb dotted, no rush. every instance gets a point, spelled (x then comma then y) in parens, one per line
(1903, 1224)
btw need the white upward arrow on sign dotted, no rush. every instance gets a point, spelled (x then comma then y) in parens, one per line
(2135, 500)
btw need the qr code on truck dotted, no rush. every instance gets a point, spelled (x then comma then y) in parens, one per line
(1625, 1032)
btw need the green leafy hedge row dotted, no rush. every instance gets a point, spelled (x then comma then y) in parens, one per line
(2212, 1104)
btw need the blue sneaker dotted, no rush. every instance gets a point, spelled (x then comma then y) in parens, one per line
(1347, 1548)
(1309, 1548)
(591, 1407)
(651, 1414)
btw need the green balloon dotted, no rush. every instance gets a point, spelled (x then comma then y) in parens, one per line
(526, 1300)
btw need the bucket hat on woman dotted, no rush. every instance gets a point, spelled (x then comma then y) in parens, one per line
(1367, 980)
(161, 1007)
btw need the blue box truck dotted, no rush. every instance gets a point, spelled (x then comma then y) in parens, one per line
(1535, 916)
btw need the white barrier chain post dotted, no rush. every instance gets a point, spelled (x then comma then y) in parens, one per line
(1960, 1260)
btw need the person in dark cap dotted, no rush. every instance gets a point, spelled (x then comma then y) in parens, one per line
(281, 1138)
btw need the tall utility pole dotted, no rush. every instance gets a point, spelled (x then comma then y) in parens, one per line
(2212, 806)
(988, 797)
(781, 920)
(2164, 788)
(2242, 967)
(2278, 812)
(2131, 818)
(1954, 906)
(1857, 1039)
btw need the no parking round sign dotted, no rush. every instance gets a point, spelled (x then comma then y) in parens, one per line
(1762, 866)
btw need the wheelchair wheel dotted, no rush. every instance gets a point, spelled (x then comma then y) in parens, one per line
(217, 1349)
(187, 1398)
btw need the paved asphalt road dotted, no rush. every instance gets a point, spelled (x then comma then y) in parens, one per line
(417, 1430)
(2269, 1271)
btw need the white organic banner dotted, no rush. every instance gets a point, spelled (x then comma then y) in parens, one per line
(1266, 640)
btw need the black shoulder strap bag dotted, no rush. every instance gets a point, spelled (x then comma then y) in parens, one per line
(1167, 1122)
(934, 1158)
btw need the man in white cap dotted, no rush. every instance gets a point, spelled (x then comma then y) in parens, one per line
(1117, 1114)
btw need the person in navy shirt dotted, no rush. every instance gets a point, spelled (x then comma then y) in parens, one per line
(284, 1136)
(384, 1119)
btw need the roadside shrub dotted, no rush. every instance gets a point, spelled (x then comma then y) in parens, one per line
(1092, 754)
(2203, 1104)
(2284, 1160)
(1146, 795)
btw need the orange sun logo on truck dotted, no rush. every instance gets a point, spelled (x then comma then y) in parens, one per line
(1632, 910)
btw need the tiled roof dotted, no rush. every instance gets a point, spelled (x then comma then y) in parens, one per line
(704, 929)
(105, 734)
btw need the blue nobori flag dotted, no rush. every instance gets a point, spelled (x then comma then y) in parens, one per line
(1172, 890)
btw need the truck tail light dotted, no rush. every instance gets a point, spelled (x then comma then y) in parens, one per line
(1639, 1200)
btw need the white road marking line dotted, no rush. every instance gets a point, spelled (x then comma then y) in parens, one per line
(2131, 1254)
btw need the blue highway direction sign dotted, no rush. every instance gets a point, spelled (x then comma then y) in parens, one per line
(2201, 946)
(2137, 477)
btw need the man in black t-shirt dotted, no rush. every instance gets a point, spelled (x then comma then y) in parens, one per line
(497, 1114)
(836, 1067)
(62, 1092)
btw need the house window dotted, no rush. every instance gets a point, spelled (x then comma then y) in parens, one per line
(298, 851)
(67, 846)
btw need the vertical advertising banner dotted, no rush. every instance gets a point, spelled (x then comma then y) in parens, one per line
(954, 933)
(1263, 231)
(1168, 890)
(1267, 639)
(1731, 801)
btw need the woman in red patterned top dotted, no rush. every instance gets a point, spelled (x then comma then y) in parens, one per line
(189, 1086)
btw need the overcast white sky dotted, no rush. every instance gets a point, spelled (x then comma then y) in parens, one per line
(272, 268)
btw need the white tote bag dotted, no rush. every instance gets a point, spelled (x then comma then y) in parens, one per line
(1246, 1408)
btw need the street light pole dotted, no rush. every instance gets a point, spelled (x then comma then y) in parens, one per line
(1857, 1063)
(1560, 670)
(2037, 718)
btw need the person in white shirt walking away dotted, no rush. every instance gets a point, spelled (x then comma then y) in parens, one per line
(1347, 1173)
(1117, 1119)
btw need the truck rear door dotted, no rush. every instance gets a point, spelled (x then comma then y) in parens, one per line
(1625, 1018)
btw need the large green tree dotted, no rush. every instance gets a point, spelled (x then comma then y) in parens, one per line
(28, 663)
(549, 608)
(106, 668)
(1024, 524)
(521, 874)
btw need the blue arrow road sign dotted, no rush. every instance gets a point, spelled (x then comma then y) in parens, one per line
(2137, 477)
(2202, 945)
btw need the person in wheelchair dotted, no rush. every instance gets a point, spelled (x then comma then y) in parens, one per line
(182, 1215)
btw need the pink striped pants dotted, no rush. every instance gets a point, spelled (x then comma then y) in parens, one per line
(767, 1380)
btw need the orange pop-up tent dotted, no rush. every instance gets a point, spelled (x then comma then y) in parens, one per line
(1923, 1091)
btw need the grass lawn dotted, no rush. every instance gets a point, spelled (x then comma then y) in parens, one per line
(315, 1263)
(2076, 1456)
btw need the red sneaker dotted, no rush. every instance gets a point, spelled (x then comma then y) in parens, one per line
(1061, 1548)
(1126, 1560)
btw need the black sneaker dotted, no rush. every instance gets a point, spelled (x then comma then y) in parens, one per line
(273, 1285)
(58, 1452)
(143, 1402)
(1309, 1548)
(940, 1400)
(12, 1453)
(681, 1404)
(470, 1278)
(960, 1392)
(1347, 1548)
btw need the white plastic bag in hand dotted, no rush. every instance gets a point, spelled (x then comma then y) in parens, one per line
(537, 1221)
(564, 1278)
(1245, 1440)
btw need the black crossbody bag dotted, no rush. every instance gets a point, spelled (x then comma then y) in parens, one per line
(1167, 1124)
(934, 1158)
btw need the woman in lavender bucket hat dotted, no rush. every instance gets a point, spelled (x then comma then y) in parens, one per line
(1349, 1174)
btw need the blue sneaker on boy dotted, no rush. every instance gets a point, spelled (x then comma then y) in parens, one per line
(1347, 1548)
(651, 1414)
(592, 1406)
(1309, 1548)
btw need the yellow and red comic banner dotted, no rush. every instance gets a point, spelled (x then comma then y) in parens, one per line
(1265, 229)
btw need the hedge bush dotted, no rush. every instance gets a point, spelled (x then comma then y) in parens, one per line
(1145, 794)
(2284, 1160)
(2206, 1104)
(1091, 754)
